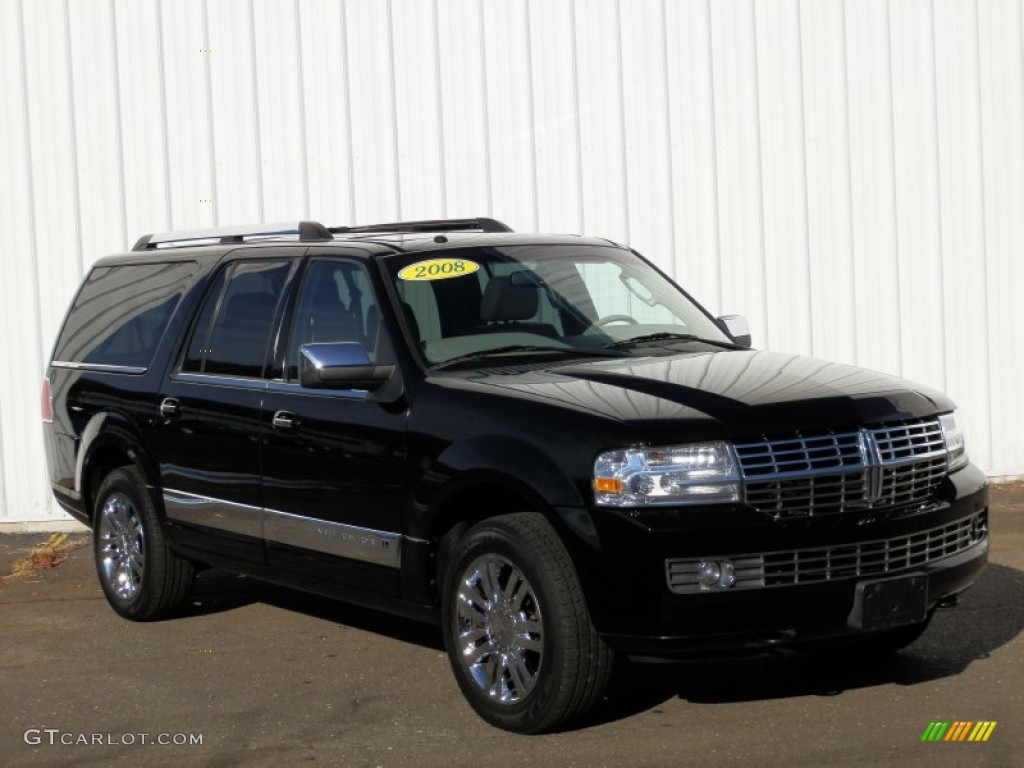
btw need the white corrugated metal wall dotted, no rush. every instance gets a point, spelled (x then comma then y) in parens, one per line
(847, 173)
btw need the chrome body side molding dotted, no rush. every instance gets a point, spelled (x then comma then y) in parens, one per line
(349, 541)
(353, 542)
(223, 515)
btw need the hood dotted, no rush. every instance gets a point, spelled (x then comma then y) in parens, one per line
(749, 393)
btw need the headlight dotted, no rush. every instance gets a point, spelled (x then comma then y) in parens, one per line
(956, 449)
(699, 473)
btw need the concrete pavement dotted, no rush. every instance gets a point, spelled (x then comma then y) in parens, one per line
(266, 676)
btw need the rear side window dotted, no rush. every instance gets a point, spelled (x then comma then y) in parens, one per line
(232, 331)
(120, 314)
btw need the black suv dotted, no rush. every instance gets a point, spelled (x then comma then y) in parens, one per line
(539, 442)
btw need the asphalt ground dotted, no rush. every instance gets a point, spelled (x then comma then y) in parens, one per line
(267, 676)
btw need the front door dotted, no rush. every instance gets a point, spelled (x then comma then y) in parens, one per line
(333, 460)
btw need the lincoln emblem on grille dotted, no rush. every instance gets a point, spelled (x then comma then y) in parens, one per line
(872, 460)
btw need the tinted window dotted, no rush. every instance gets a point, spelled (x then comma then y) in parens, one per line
(605, 280)
(336, 303)
(232, 331)
(550, 298)
(120, 313)
(195, 353)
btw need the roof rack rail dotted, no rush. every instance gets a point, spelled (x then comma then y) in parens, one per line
(308, 231)
(314, 231)
(480, 224)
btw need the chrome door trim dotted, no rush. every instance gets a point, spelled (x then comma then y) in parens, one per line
(104, 367)
(230, 516)
(220, 380)
(340, 539)
(367, 545)
(294, 388)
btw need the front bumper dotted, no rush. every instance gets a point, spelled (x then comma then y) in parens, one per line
(636, 612)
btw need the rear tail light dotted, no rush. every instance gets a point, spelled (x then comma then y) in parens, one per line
(46, 401)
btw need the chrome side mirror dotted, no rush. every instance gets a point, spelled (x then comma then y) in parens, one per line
(737, 327)
(340, 365)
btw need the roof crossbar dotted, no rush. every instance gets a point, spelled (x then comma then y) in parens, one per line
(308, 231)
(479, 224)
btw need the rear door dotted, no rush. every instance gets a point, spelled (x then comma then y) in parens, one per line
(334, 459)
(206, 431)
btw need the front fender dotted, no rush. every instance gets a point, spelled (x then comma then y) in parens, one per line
(502, 462)
(524, 464)
(521, 469)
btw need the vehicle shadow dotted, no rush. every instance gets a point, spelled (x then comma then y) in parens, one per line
(216, 591)
(990, 615)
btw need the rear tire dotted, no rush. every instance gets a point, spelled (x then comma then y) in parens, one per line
(516, 626)
(142, 578)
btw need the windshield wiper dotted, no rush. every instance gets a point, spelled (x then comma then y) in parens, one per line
(669, 336)
(485, 353)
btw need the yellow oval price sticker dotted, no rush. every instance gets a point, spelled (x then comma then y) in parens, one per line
(438, 269)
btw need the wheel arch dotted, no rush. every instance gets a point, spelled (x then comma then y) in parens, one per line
(477, 497)
(108, 442)
(481, 494)
(487, 477)
(507, 464)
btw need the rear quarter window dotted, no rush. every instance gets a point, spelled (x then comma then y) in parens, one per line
(121, 312)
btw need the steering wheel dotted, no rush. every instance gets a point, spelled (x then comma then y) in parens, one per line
(609, 319)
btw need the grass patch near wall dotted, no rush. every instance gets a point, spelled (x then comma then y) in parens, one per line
(51, 553)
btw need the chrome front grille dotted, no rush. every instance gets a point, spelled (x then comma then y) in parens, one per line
(801, 455)
(844, 561)
(832, 473)
(907, 483)
(907, 442)
(809, 496)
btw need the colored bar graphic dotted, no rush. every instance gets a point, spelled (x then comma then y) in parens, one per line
(982, 731)
(959, 730)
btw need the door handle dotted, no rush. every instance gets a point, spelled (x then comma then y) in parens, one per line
(284, 420)
(170, 408)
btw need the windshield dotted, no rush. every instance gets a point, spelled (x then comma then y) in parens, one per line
(465, 303)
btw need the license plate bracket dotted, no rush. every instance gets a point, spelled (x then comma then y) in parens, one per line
(887, 603)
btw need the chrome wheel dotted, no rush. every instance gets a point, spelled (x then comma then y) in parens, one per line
(499, 629)
(516, 626)
(121, 552)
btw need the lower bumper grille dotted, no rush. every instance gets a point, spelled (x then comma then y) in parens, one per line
(844, 561)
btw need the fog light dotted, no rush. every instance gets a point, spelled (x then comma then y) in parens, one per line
(715, 574)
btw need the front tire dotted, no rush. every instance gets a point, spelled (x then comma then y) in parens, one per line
(142, 578)
(516, 626)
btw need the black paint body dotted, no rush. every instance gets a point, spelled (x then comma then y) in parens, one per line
(431, 448)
